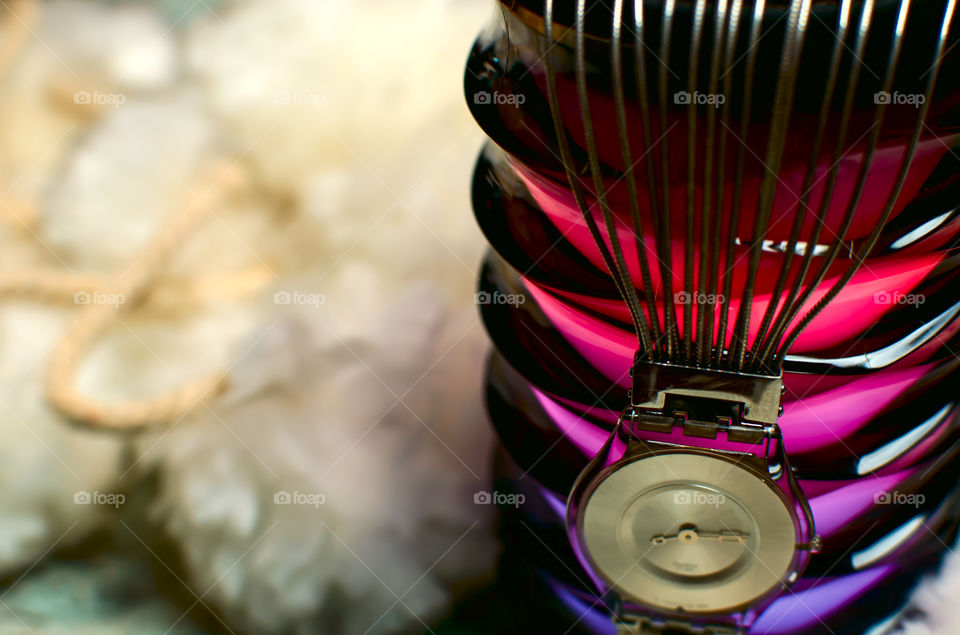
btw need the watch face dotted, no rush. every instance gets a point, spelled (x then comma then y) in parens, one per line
(688, 532)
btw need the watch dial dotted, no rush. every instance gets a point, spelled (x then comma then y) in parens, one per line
(688, 532)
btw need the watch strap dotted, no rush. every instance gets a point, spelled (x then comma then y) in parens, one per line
(643, 625)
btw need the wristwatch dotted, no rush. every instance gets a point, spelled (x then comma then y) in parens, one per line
(690, 519)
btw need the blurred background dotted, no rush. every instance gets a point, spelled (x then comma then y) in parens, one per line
(240, 361)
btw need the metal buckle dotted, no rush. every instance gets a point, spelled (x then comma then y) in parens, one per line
(736, 432)
(704, 403)
(755, 398)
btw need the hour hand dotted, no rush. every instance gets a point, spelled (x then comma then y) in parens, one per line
(692, 535)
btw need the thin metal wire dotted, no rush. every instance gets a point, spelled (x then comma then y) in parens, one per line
(746, 106)
(669, 305)
(688, 243)
(802, 209)
(660, 236)
(868, 245)
(783, 101)
(719, 340)
(616, 64)
(704, 236)
(566, 157)
(707, 246)
(795, 304)
(619, 268)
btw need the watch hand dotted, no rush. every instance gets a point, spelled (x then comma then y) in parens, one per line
(694, 535)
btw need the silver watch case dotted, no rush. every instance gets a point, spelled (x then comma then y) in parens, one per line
(690, 532)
